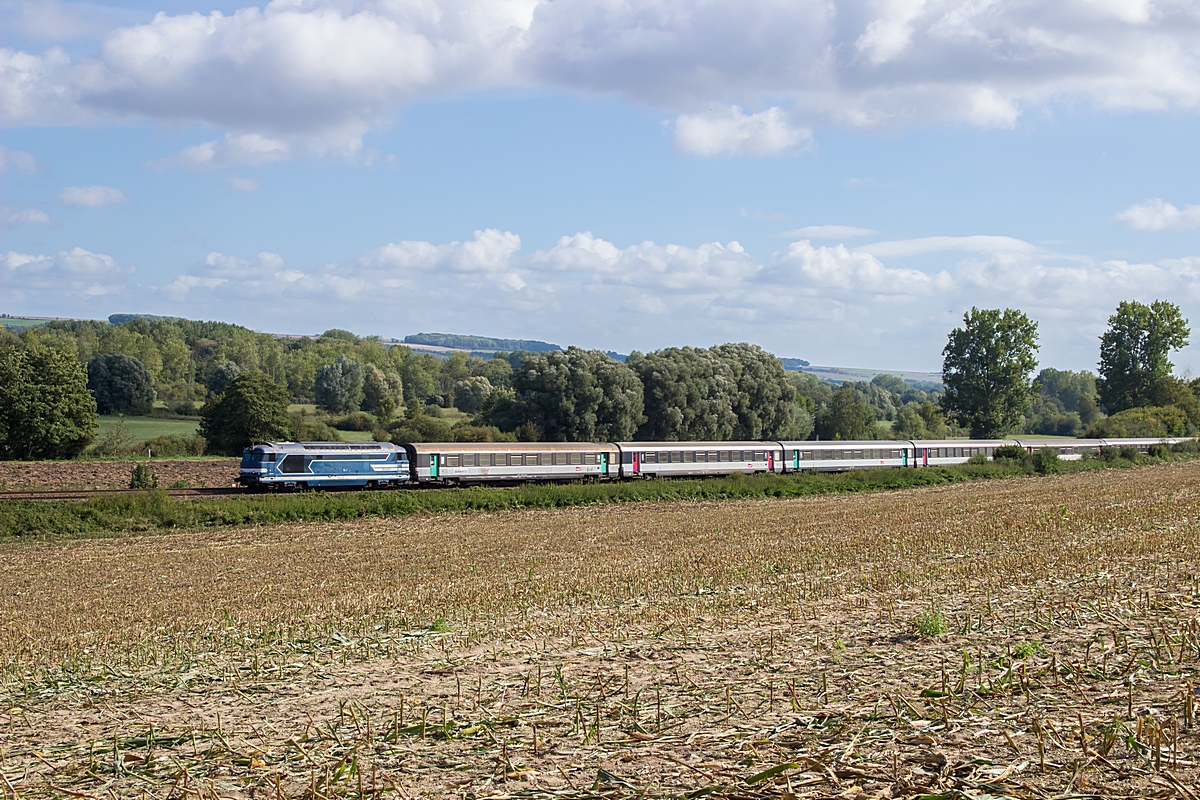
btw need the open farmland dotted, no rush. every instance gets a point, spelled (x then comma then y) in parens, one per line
(1032, 637)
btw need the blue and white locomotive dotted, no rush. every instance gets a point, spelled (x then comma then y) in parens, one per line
(323, 465)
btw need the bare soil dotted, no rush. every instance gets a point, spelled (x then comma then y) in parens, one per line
(1028, 638)
(31, 475)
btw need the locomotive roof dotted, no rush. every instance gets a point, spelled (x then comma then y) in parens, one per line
(316, 447)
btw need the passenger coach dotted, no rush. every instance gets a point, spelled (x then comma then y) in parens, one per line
(497, 462)
(698, 459)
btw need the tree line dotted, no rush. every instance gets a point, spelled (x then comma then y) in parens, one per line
(56, 378)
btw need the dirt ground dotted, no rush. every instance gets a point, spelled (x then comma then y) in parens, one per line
(1028, 638)
(30, 475)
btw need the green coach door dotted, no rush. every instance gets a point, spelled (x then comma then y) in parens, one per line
(433, 465)
(604, 463)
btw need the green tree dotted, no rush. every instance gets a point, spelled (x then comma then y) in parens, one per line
(909, 424)
(688, 395)
(253, 408)
(339, 386)
(46, 410)
(1134, 352)
(120, 384)
(471, 393)
(382, 391)
(578, 396)
(220, 377)
(846, 417)
(765, 396)
(889, 382)
(986, 369)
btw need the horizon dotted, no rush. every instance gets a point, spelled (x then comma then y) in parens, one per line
(836, 181)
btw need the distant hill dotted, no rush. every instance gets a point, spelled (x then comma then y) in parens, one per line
(794, 364)
(117, 319)
(461, 342)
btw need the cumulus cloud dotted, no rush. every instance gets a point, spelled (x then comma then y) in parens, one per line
(29, 216)
(749, 77)
(92, 196)
(730, 131)
(829, 301)
(1159, 215)
(78, 272)
(828, 232)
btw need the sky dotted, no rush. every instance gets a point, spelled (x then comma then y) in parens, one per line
(835, 180)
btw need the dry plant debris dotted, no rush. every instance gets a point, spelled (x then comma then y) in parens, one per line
(738, 650)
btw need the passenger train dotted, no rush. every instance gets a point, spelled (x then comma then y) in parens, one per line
(371, 465)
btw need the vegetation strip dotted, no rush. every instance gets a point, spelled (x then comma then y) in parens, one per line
(157, 510)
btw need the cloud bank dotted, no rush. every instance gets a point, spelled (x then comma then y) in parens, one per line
(748, 77)
(832, 302)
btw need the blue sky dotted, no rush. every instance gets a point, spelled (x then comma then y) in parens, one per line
(837, 181)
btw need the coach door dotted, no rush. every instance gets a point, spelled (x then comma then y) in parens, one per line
(433, 464)
(904, 457)
(636, 463)
(604, 464)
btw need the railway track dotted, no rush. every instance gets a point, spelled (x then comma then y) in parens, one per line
(87, 494)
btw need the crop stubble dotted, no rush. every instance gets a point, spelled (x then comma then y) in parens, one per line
(656, 649)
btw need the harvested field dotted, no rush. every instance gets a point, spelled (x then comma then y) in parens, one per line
(1029, 638)
(199, 473)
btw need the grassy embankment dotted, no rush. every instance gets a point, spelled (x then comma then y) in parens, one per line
(155, 510)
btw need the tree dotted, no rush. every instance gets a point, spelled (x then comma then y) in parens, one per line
(765, 397)
(339, 386)
(120, 384)
(46, 410)
(890, 382)
(220, 377)
(253, 408)
(986, 369)
(472, 393)
(1134, 352)
(578, 396)
(846, 417)
(688, 396)
(382, 392)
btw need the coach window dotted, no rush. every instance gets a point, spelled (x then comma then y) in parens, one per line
(452, 461)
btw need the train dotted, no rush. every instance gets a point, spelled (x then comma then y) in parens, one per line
(382, 465)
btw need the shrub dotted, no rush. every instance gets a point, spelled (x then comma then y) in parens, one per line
(1046, 461)
(1126, 452)
(311, 430)
(356, 421)
(175, 446)
(1148, 421)
(116, 441)
(1190, 446)
(978, 459)
(142, 477)
(480, 433)
(1014, 455)
(1158, 450)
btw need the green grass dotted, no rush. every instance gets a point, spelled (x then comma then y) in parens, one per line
(143, 428)
(154, 510)
(356, 436)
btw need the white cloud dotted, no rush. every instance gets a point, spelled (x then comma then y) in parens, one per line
(729, 131)
(17, 159)
(76, 272)
(235, 150)
(837, 303)
(828, 232)
(1158, 215)
(750, 77)
(933, 244)
(92, 196)
(29, 216)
